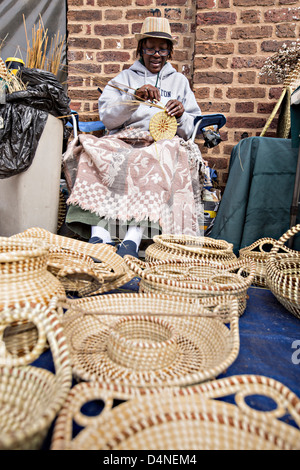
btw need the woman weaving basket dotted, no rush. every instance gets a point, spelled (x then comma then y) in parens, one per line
(145, 171)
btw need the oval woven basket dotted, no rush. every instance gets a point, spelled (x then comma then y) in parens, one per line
(110, 267)
(24, 278)
(117, 338)
(184, 246)
(259, 252)
(191, 418)
(195, 278)
(283, 273)
(31, 397)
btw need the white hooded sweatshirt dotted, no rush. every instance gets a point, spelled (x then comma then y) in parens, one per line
(117, 112)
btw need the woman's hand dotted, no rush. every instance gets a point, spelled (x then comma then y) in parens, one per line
(175, 108)
(148, 92)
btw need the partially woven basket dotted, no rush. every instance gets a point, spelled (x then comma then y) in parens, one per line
(191, 418)
(283, 273)
(259, 252)
(31, 397)
(111, 267)
(166, 247)
(24, 278)
(195, 278)
(117, 338)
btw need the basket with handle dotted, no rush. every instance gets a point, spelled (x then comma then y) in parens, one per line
(191, 247)
(190, 418)
(118, 338)
(31, 397)
(283, 273)
(195, 278)
(24, 277)
(110, 266)
(259, 251)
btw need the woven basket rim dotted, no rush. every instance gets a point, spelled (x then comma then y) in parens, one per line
(61, 379)
(234, 418)
(21, 249)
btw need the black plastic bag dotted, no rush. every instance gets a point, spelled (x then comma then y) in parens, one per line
(24, 116)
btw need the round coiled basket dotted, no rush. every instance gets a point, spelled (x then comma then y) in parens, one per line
(166, 247)
(195, 278)
(283, 273)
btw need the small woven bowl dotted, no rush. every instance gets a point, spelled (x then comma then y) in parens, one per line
(142, 342)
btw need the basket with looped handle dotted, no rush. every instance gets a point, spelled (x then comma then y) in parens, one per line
(31, 397)
(160, 341)
(283, 273)
(77, 259)
(195, 278)
(24, 277)
(166, 247)
(191, 418)
(259, 252)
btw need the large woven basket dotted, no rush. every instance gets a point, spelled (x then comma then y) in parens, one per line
(195, 278)
(24, 277)
(145, 340)
(259, 252)
(184, 246)
(192, 418)
(84, 274)
(283, 273)
(31, 397)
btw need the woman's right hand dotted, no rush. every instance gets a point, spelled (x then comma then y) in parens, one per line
(148, 93)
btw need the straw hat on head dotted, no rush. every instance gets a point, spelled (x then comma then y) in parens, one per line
(154, 27)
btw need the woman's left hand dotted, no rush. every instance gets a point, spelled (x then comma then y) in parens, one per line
(175, 108)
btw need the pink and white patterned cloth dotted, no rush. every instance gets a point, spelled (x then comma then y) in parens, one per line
(128, 176)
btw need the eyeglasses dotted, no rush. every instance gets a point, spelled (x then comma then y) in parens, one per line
(162, 52)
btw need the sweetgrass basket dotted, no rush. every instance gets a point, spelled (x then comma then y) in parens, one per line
(145, 340)
(166, 247)
(259, 252)
(110, 272)
(195, 278)
(191, 418)
(24, 278)
(283, 273)
(31, 397)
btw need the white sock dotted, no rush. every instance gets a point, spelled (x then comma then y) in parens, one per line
(101, 233)
(134, 234)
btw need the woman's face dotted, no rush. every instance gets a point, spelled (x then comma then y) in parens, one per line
(154, 63)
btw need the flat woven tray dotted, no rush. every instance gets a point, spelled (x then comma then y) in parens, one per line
(194, 278)
(146, 340)
(191, 418)
(283, 273)
(110, 273)
(259, 252)
(184, 246)
(31, 397)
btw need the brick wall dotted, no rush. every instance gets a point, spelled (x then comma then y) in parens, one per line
(222, 47)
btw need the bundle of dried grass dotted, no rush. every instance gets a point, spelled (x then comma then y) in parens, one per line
(38, 54)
